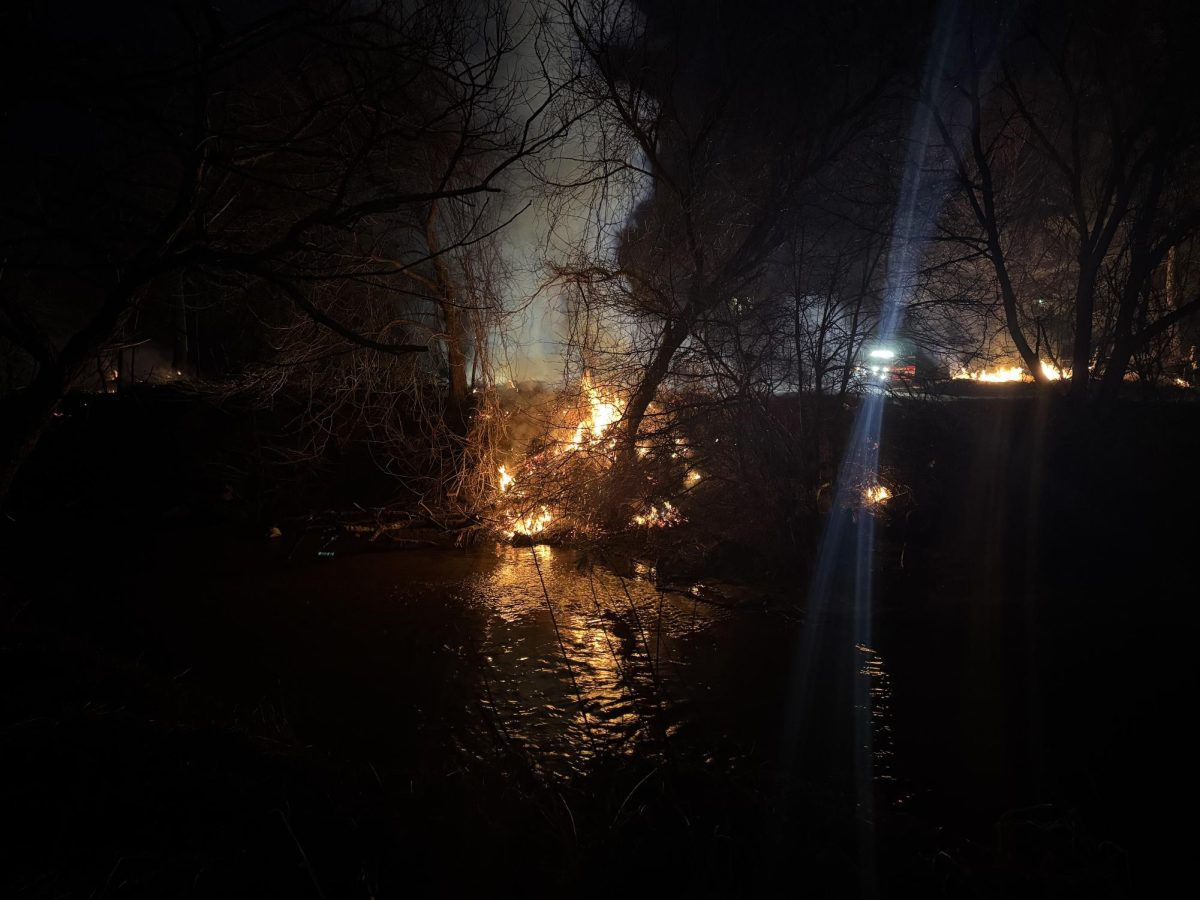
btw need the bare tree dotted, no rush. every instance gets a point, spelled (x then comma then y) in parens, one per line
(1073, 160)
(294, 157)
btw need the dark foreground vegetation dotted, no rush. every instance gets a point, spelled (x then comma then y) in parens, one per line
(193, 709)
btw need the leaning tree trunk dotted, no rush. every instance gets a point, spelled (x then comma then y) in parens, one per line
(643, 395)
(989, 218)
(656, 373)
(1008, 297)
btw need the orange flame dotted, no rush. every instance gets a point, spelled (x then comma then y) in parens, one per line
(506, 480)
(528, 526)
(603, 411)
(992, 375)
(876, 495)
(1002, 374)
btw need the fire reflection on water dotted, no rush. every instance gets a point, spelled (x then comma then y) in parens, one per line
(879, 698)
(577, 669)
(599, 666)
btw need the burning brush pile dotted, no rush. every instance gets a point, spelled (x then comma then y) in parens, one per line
(568, 480)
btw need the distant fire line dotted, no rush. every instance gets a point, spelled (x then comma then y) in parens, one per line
(1005, 374)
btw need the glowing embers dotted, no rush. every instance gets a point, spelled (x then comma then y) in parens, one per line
(872, 492)
(657, 516)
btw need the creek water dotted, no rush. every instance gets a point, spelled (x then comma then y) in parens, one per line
(485, 694)
(579, 668)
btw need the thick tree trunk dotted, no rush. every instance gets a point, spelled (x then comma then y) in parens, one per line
(635, 411)
(1011, 317)
(987, 217)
